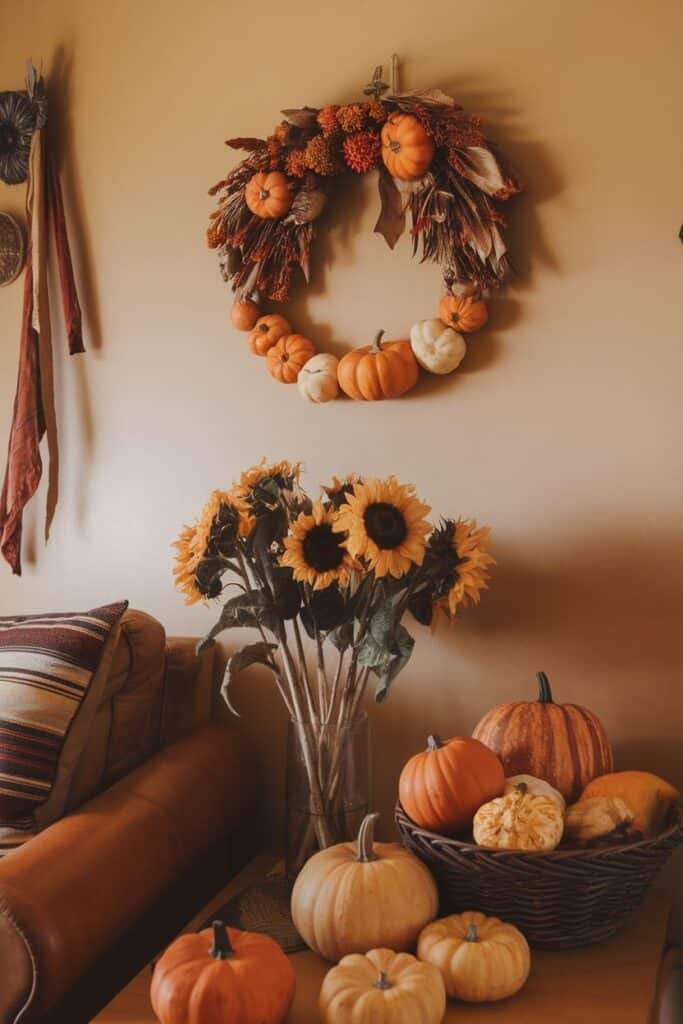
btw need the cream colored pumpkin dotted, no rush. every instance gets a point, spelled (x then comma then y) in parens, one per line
(362, 895)
(317, 380)
(596, 818)
(480, 958)
(437, 348)
(382, 987)
(519, 821)
(538, 786)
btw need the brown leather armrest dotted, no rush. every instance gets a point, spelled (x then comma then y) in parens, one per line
(70, 892)
(189, 688)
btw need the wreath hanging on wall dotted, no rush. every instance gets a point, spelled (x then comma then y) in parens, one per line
(437, 172)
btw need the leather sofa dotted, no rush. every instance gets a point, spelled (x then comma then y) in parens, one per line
(157, 786)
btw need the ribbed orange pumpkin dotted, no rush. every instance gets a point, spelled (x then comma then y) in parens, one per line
(378, 371)
(244, 314)
(287, 358)
(267, 195)
(463, 312)
(407, 150)
(267, 332)
(222, 974)
(565, 744)
(442, 787)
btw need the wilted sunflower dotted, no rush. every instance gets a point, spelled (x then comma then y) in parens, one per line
(186, 562)
(17, 124)
(199, 547)
(253, 492)
(460, 548)
(385, 524)
(315, 551)
(207, 519)
(339, 489)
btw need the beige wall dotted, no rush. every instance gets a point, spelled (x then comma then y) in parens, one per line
(563, 428)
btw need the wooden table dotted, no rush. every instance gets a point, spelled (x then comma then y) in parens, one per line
(610, 983)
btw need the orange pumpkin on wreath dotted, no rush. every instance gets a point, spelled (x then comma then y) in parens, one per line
(287, 358)
(464, 313)
(268, 195)
(378, 371)
(407, 150)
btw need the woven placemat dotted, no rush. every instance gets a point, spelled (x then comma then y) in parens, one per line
(264, 908)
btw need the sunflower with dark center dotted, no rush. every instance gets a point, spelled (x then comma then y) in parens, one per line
(385, 525)
(261, 488)
(17, 124)
(315, 551)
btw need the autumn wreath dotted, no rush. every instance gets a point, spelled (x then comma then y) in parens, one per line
(436, 168)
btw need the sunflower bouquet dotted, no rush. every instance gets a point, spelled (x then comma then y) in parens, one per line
(326, 584)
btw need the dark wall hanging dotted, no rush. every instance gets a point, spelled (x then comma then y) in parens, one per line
(12, 249)
(25, 155)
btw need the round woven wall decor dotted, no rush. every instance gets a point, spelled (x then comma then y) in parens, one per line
(12, 249)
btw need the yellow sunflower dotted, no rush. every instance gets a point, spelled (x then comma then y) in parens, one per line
(242, 492)
(186, 562)
(470, 574)
(316, 551)
(339, 488)
(206, 520)
(385, 526)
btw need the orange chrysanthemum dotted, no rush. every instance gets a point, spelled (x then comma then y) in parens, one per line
(385, 525)
(315, 551)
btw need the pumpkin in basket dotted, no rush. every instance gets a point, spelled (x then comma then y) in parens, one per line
(649, 797)
(354, 897)
(217, 973)
(599, 819)
(564, 744)
(537, 786)
(382, 987)
(442, 787)
(480, 958)
(519, 821)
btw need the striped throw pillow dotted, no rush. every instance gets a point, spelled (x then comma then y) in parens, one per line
(47, 664)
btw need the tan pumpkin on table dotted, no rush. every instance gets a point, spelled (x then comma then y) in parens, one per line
(268, 195)
(382, 987)
(354, 897)
(222, 974)
(407, 149)
(442, 787)
(288, 357)
(378, 371)
(519, 821)
(480, 958)
(565, 744)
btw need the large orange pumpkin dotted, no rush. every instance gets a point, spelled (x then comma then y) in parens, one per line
(222, 974)
(268, 195)
(463, 313)
(378, 371)
(267, 332)
(565, 744)
(407, 150)
(442, 787)
(287, 358)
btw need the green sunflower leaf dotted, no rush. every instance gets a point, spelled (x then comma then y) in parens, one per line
(253, 654)
(342, 636)
(243, 610)
(387, 672)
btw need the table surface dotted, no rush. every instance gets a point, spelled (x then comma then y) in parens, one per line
(610, 982)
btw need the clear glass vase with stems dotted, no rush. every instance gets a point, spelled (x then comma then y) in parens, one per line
(327, 786)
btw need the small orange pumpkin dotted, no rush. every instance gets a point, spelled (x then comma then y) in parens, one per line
(268, 195)
(244, 314)
(267, 332)
(288, 357)
(442, 787)
(378, 371)
(222, 974)
(463, 313)
(407, 150)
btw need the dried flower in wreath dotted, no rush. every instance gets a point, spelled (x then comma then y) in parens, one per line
(17, 125)
(448, 180)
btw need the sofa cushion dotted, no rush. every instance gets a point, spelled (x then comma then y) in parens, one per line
(50, 669)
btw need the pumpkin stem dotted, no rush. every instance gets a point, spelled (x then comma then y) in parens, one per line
(366, 838)
(544, 694)
(221, 949)
(377, 343)
(522, 788)
(434, 743)
(382, 982)
(472, 935)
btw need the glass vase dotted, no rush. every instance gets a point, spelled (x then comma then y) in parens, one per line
(327, 786)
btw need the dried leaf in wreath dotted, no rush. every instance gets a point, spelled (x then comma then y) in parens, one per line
(306, 206)
(480, 166)
(391, 221)
(428, 97)
(251, 145)
(302, 117)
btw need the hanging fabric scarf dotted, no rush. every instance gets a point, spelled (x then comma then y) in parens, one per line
(34, 415)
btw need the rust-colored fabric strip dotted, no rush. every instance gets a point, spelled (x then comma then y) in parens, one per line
(70, 304)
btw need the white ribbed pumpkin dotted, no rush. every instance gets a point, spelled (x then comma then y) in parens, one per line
(539, 787)
(437, 348)
(317, 380)
(362, 895)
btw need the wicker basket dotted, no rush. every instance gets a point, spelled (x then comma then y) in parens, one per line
(559, 899)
